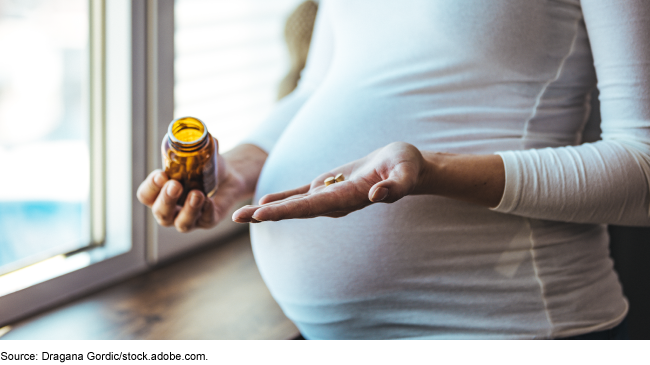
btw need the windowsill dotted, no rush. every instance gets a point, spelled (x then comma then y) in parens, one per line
(214, 294)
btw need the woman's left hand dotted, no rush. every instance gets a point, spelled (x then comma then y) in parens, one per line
(386, 175)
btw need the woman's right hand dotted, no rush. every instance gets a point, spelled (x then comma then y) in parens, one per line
(238, 173)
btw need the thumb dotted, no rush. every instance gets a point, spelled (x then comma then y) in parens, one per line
(399, 184)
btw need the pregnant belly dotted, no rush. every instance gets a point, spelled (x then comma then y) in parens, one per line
(414, 241)
(437, 252)
(378, 248)
(361, 253)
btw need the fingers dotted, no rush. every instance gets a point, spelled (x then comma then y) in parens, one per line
(150, 188)
(207, 219)
(309, 206)
(399, 183)
(335, 201)
(188, 215)
(245, 213)
(268, 198)
(164, 208)
(387, 191)
(161, 194)
(378, 193)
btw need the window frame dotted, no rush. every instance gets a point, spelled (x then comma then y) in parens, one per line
(165, 243)
(105, 266)
(151, 110)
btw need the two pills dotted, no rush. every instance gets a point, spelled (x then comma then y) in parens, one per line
(333, 179)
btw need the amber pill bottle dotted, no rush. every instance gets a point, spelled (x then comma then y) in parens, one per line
(190, 156)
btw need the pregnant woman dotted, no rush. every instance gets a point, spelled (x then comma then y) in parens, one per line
(471, 208)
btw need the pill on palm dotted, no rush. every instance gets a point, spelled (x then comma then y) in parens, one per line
(329, 181)
(339, 178)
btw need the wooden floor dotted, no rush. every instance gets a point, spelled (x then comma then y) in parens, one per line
(214, 294)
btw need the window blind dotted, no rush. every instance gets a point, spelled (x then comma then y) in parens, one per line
(229, 59)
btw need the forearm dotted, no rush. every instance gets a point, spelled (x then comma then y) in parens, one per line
(478, 179)
(246, 160)
(603, 182)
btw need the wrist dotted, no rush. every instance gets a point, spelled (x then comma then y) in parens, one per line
(478, 179)
(431, 176)
(243, 166)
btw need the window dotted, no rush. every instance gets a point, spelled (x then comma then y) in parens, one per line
(103, 81)
(44, 130)
(228, 60)
(69, 111)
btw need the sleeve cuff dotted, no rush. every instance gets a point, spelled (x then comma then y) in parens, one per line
(511, 192)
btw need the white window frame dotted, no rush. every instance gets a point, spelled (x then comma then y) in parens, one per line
(164, 243)
(118, 120)
(138, 121)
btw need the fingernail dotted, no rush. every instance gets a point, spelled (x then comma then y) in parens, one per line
(195, 200)
(380, 194)
(255, 220)
(174, 190)
(159, 180)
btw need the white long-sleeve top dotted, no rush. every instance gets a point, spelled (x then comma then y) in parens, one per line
(463, 76)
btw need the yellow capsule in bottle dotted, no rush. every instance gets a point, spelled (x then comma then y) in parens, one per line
(190, 156)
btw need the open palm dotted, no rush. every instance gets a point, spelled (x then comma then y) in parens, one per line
(386, 175)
